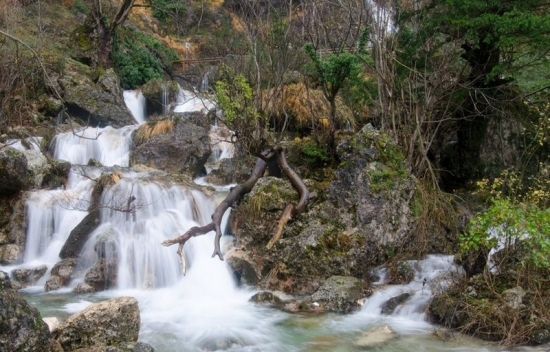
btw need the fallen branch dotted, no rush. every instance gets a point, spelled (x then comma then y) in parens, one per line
(238, 192)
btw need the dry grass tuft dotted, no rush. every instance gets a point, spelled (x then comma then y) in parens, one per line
(306, 108)
(150, 129)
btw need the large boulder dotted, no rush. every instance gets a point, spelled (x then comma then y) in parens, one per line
(79, 235)
(103, 275)
(12, 229)
(340, 294)
(113, 322)
(373, 183)
(21, 326)
(159, 96)
(13, 171)
(61, 274)
(95, 104)
(182, 147)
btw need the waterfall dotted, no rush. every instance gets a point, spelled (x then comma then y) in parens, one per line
(108, 145)
(189, 101)
(135, 102)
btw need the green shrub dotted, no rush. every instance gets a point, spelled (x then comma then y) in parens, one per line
(314, 154)
(138, 58)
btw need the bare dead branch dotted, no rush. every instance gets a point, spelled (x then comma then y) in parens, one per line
(238, 192)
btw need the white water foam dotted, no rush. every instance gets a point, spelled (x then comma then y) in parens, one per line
(135, 102)
(110, 146)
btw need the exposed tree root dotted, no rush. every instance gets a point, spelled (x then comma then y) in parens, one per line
(238, 192)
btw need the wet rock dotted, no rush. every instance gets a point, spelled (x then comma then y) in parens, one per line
(9, 253)
(184, 148)
(103, 275)
(389, 306)
(26, 276)
(234, 170)
(108, 323)
(21, 326)
(53, 283)
(265, 297)
(159, 95)
(79, 235)
(14, 170)
(243, 270)
(376, 336)
(340, 294)
(95, 104)
(61, 274)
(83, 288)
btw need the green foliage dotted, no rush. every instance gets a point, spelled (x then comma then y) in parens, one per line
(79, 6)
(333, 70)
(518, 214)
(168, 11)
(235, 98)
(314, 154)
(139, 58)
(516, 224)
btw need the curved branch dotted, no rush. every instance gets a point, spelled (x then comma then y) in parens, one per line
(291, 210)
(237, 193)
(233, 197)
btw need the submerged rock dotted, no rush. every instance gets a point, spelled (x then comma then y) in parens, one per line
(109, 323)
(376, 336)
(389, 306)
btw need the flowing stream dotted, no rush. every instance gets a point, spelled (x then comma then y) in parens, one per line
(204, 310)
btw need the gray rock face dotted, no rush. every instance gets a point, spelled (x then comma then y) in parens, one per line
(389, 306)
(61, 274)
(103, 275)
(95, 104)
(13, 171)
(12, 230)
(373, 183)
(21, 326)
(26, 276)
(184, 149)
(235, 170)
(340, 294)
(109, 323)
(79, 235)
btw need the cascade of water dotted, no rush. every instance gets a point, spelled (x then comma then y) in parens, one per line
(431, 275)
(164, 100)
(135, 102)
(189, 101)
(108, 145)
(51, 215)
(30, 143)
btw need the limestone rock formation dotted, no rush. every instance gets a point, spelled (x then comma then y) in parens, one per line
(21, 326)
(94, 104)
(108, 323)
(184, 148)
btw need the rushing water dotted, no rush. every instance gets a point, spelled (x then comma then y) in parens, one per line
(204, 310)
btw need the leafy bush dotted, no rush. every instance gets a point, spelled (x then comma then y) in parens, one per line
(168, 11)
(516, 217)
(139, 58)
(235, 98)
(314, 154)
